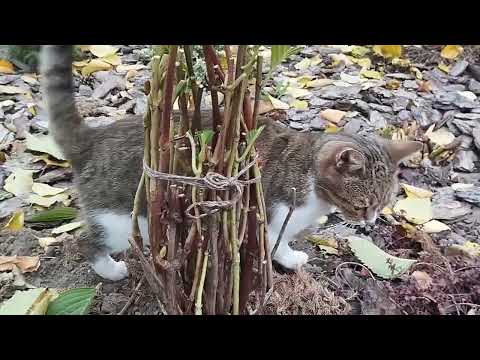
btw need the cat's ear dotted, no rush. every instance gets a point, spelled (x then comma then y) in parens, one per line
(399, 151)
(349, 159)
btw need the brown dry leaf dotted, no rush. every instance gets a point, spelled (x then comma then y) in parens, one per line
(393, 84)
(30, 79)
(94, 66)
(264, 106)
(422, 279)
(6, 67)
(45, 242)
(80, 63)
(15, 223)
(371, 74)
(102, 51)
(24, 263)
(130, 74)
(46, 159)
(332, 115)
(338, 58)
(424, 86)
(388, 51)
(451, 51)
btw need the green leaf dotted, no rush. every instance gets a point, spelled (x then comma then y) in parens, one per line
(205, 137)
(58, 214)
(253, 135)
(377, 260)
(72, 302)
(280, 53)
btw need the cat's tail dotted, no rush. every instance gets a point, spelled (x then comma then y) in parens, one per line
(65, 123)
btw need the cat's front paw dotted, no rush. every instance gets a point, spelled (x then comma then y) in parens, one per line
(292, 259)
(110, 269)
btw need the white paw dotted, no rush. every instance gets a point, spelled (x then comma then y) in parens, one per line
(292, 259)
(110, 269)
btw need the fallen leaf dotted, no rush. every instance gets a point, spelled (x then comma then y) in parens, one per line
(300, 104)
(28, 302)
(418, 74)
(15, 223)
(80, 63)
(297, 92)
(377, 260)
(393, 84)
(423, 280)
(112, 59)
(461, 186)
(12, 90)
(24, 263)
(359, 51)
(416, 211)
(6, 67)
(46, 190)
(277, 104)
(102, 51)
(424, 86)
(19, 182)
(387, 211)
(125, 68)
(416, 192)
(371, 74)
(338, 58)
(331, 129)
(388, 51)
(319, 240)
(304, 80)
(45, 242)
(350, 78)
(332, 115)
(445, 68)
(451, 51)
(322, 220)
(467, 95)
(404, 63)
(30, 79)
(303, 65)
(434, 226)
(44, 144)
(46, 159)
(67, 227)
(264, 107)
(441, 137)
(319, 83)
(94, 66)
(47, 201)
(365, 63)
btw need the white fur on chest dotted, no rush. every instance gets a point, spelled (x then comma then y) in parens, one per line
(118, 228)
(302, 217)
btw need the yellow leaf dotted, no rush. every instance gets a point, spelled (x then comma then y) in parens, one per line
(16, 222)
(338, 58)
(365, 63)
(322, 220)
(24, 263)
(6, 67)
(434, 226)
(359, 51)
(67, 227)
(46, 201)
(319, 83)
(314, 61)
(19, 182)
(304, 80)
(417, 72)
(296, 92)
(277, 104)
(414, 210)
(401, 62)
(371, 74)
(393, 84)
(451, 51)
(386, 211)
(331, 129)
(112, 59)
(388, 51)
(46, 159)
(416, 192)
(46, 190)
(332, 115)
(80, 63)
(44, 144)
(102, 51)
(94, 66)
(472, 248)
(304, 64)
(84, 48)
(130, 74)
(300, 104)
(445, 68)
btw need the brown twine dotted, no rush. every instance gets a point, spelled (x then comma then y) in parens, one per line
(211, 180)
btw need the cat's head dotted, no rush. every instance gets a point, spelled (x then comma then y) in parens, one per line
(358, 175)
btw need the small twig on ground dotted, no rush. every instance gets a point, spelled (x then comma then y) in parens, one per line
(132, 296)
(285, 222)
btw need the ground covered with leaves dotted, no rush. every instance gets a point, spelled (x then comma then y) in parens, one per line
(422, 255)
